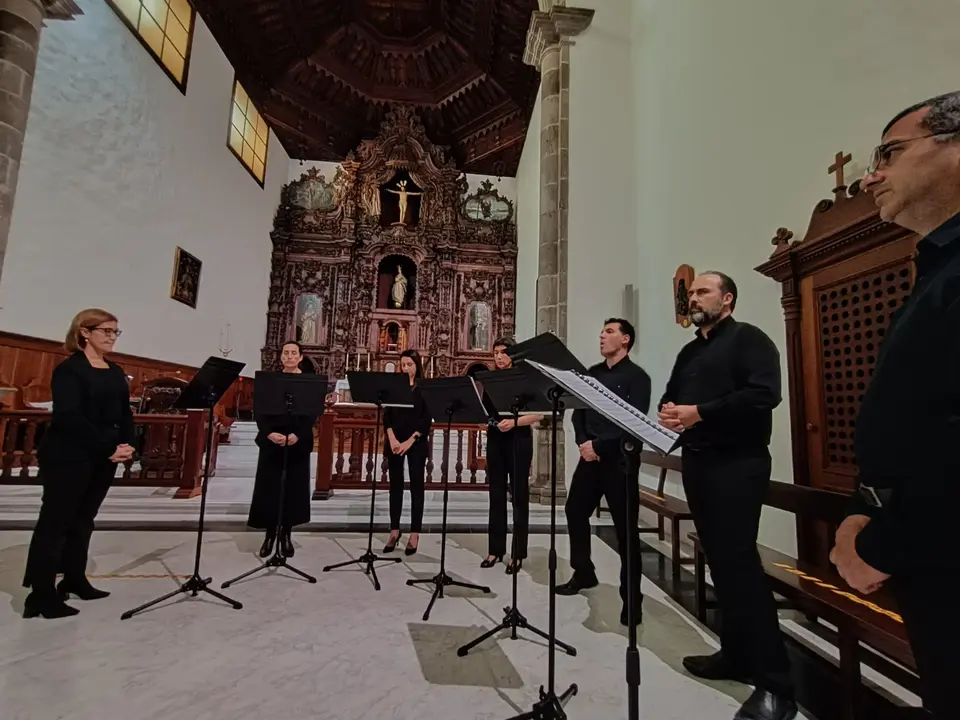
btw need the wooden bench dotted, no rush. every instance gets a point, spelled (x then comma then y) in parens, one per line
(822, 593)
(668, 509)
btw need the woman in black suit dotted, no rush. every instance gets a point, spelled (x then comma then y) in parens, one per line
(277, 432)
(506, 442)
(90, 433)
(408, 431)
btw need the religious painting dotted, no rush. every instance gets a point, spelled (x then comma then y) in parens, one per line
(487, 205)
(308, 319)
(682, 280)
(478, 326)
(185, 285)
(315, 194)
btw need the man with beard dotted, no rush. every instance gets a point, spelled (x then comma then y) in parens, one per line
(601, 470)
(721, 395)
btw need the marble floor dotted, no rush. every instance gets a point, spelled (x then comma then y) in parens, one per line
(335, 650)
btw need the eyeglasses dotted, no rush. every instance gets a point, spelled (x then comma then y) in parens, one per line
(883, 154)
(109, 332)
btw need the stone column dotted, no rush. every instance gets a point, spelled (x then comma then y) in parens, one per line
(548, 49)
(20, 22)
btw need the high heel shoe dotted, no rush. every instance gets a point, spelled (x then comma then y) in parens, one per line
(411, 549)
(514, 567)
(81, 588)
(46, 605)
(392, 543)
(286, 544)
(491, 560)
(267, 548)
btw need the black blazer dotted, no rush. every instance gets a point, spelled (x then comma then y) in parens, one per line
(91, 412)
(406, 421)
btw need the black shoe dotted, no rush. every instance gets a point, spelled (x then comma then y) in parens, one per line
(576, 584)
(715, 667)
(81, 588)
(411, 549)
(514, 567)
(267, 548)
(392, 543)
(765, 705)
(637, 617)
(491, 560)
(286, 544)
(48, 606)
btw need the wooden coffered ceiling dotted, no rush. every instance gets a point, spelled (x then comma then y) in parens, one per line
(324, 73)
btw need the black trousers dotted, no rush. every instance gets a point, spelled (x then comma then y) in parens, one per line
(591, 482)
(927, 601)
(725, 492)
(416, 462)
(72, 495)
(500, 470)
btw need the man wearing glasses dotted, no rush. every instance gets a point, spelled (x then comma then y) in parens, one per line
(900, 529)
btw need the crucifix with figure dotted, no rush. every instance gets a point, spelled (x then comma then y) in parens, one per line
(403, 193)
(839, 162)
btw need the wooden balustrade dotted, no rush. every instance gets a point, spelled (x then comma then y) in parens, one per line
(170, 449)
(347, 458)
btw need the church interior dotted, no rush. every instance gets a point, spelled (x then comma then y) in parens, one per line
(372, 177)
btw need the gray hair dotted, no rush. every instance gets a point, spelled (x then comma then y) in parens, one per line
(943, 118)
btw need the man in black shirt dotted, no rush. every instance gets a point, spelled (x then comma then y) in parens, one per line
(602, 472)
(901, 529)
(720, 396)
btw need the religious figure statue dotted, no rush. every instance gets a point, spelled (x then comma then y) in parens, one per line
(309, 320)
(398, 294)
(403, 193)
(478, 327)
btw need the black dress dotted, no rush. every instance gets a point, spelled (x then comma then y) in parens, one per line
(91, 417)
(266, 489)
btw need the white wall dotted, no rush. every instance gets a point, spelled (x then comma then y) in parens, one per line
(119, 167)
(735, 129)
(528, 228)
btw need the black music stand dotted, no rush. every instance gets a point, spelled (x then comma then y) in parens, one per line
(383, 389)
(204, 391)
(285, 394)
(516, 389)
(456, 400)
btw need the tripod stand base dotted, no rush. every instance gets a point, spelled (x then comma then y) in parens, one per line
(368, 559)
(513, 619)
(277, 561)
(194, 586)
(442, 580)
(549, 706)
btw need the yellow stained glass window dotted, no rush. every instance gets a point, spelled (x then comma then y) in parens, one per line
(249, 134)
(165, 27)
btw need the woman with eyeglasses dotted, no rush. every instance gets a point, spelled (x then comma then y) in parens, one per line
(408, 431)
(278, 434)
(91, 433)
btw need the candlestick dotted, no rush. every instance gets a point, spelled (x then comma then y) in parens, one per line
(368, 361)
(358, 361)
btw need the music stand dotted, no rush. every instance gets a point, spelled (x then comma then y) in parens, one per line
(285, 394)
(455, 399)
(383, 390)
(516, 389)
(204, 391)
(548, 349)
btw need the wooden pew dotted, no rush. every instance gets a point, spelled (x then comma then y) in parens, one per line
(818, 591)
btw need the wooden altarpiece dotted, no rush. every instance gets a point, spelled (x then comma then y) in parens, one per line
(360, 274)
(840, 286)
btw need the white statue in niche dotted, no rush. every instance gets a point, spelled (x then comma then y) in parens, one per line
(308, 319)
(398, 293)
(479, 324)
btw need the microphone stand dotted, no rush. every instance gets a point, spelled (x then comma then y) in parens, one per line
(513, 618)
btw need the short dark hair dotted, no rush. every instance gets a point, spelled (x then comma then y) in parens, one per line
(626, 327)
(417, 361)
(503, 342)
(943, 118)
(727, 285)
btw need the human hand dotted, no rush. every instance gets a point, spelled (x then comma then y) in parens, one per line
(292, 439)
(122, 453)
(506, 425)
(277, 438)
(679, 417)
(587, 452)
(405, 445)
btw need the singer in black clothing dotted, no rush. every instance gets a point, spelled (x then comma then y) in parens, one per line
(408, 436)
(601, 469)
(720, 396)
(504, 443)
(278, 434)
(901, 530)
(90, 433)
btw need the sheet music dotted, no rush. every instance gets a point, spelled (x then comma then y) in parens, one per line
(612, 406)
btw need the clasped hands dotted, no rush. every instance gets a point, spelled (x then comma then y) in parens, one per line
(858, 575)
(281, 439)
(400, 448)
(678, 417)
(123, 453)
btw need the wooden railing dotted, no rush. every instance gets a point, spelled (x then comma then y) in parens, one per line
(347, 458)
(169, 448)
